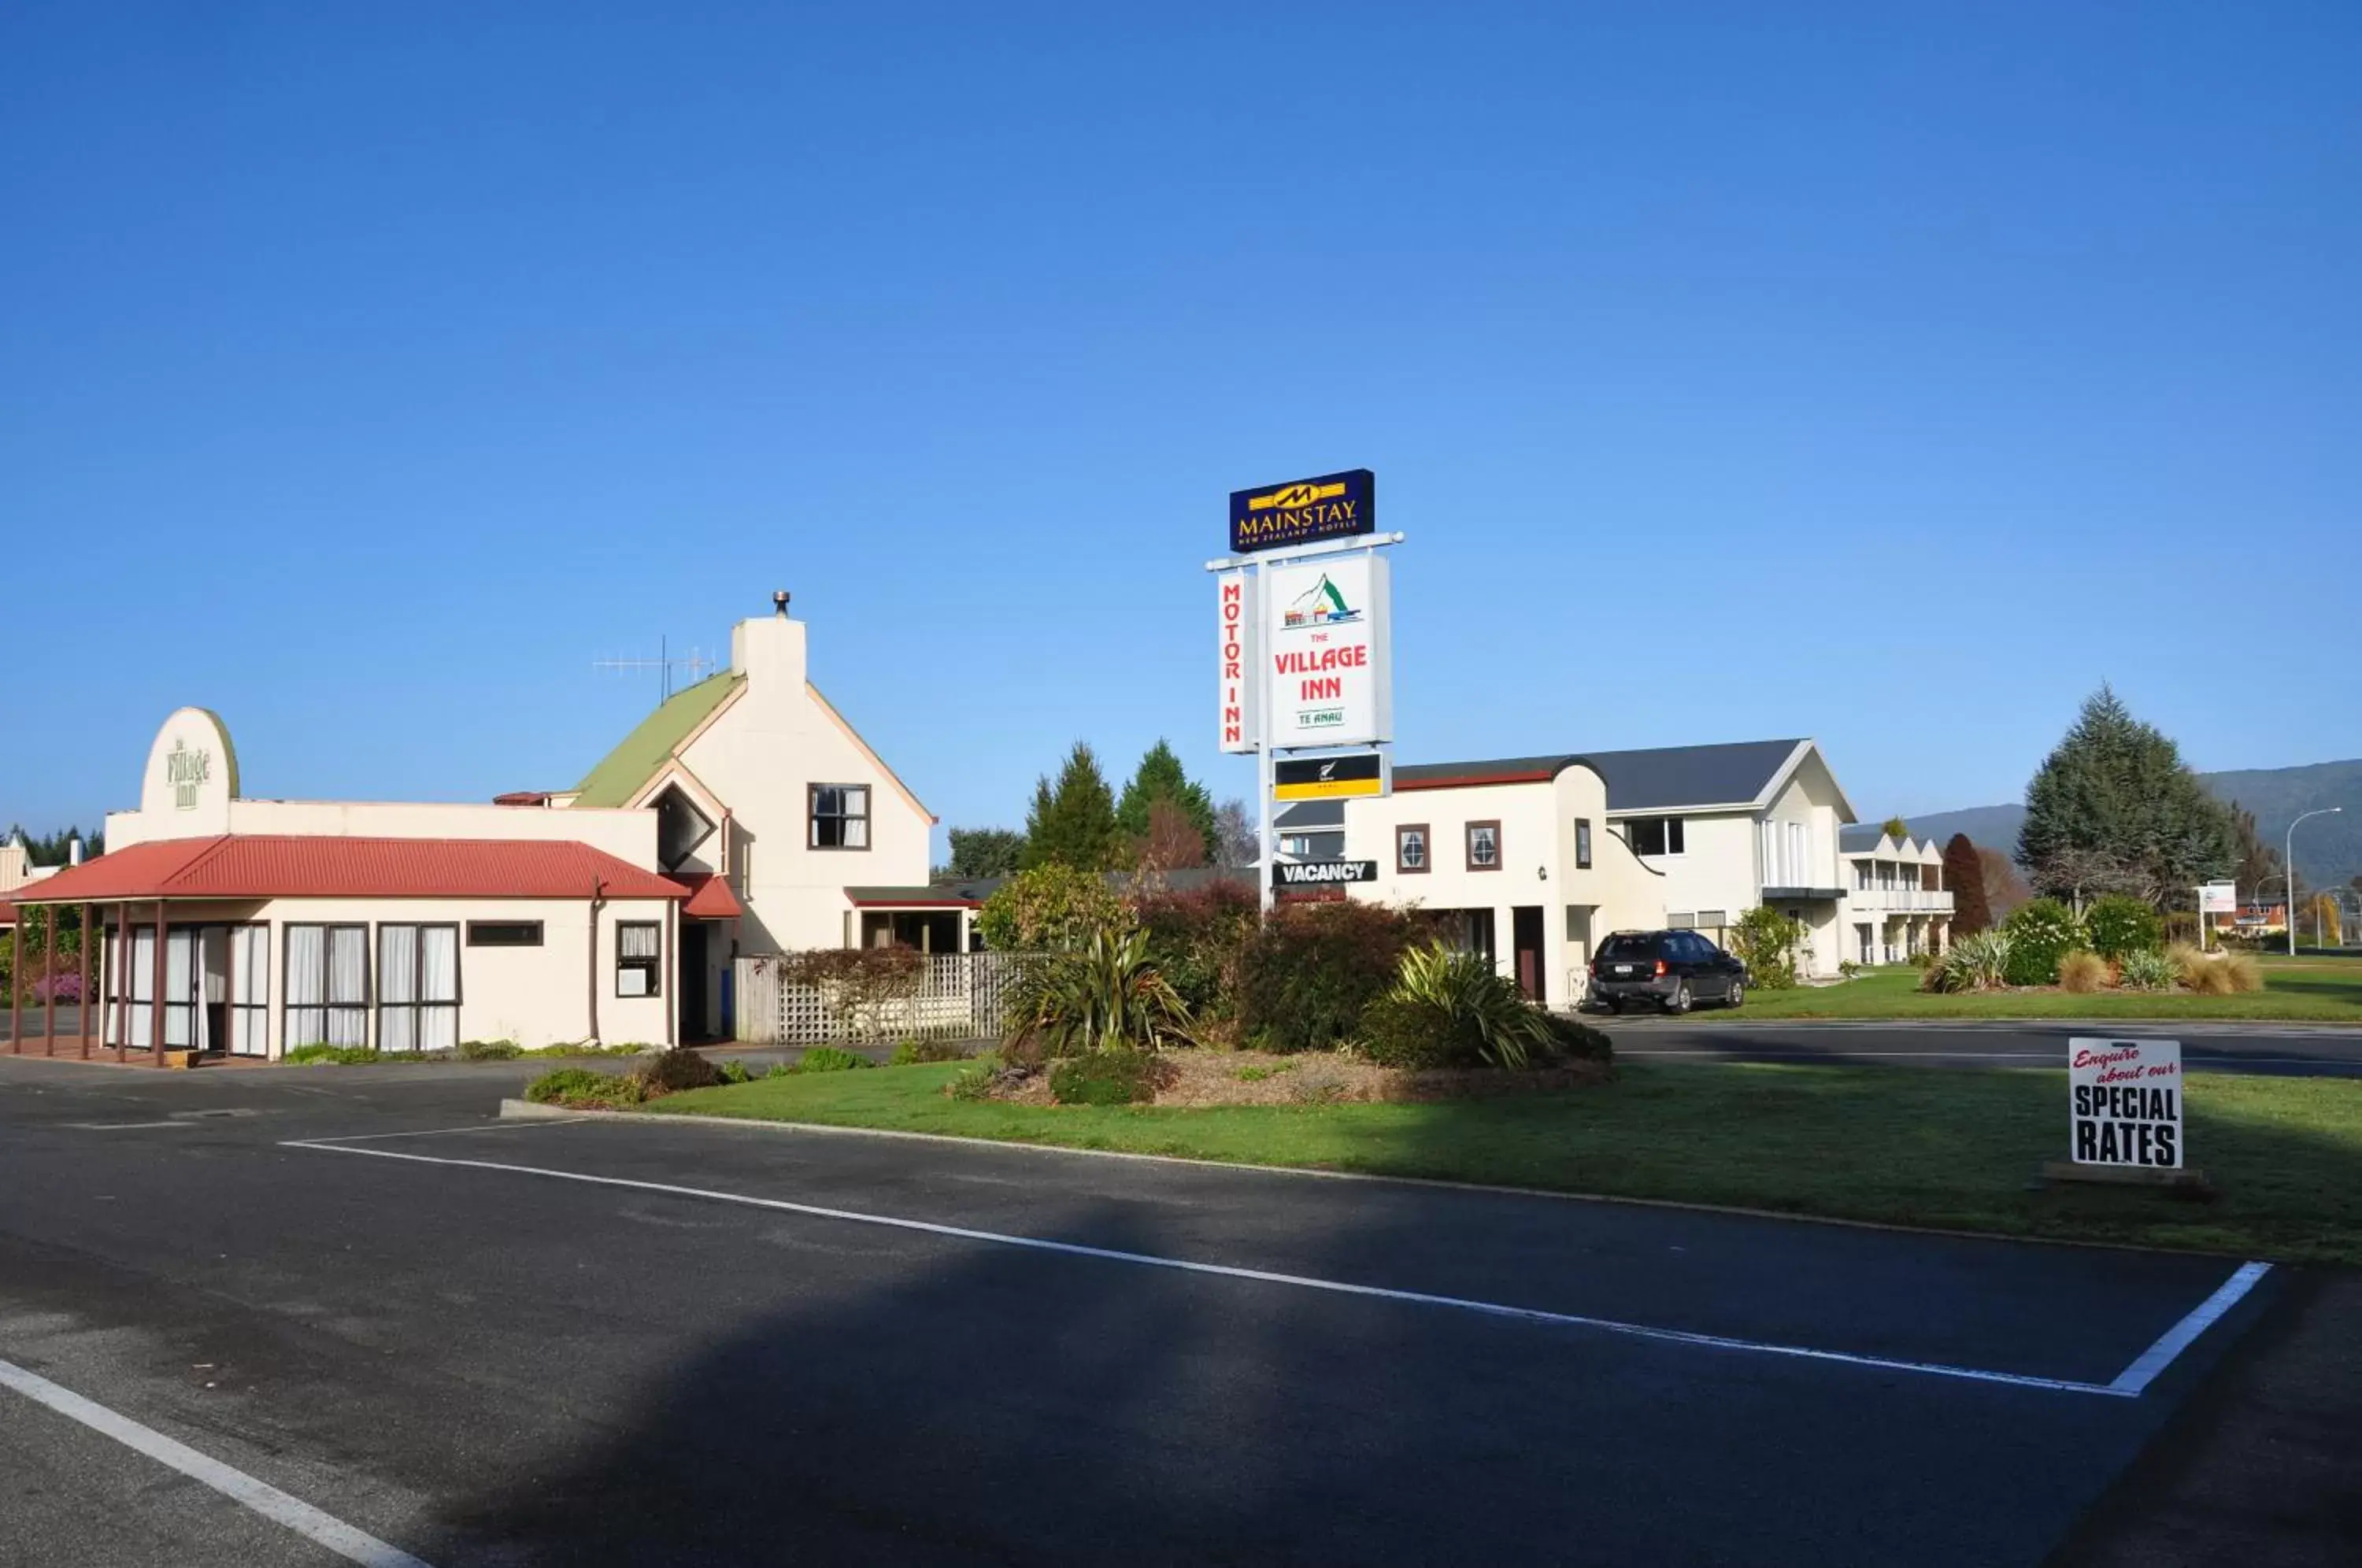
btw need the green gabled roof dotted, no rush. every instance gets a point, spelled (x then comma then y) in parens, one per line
(634, 761)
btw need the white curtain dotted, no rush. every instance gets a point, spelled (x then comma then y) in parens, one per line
(180, 988)
(307, 986)
(438, 987)
(397, 988)
(348, 986)
(250, 1012)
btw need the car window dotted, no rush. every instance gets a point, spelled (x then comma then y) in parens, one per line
(1696, 948)
(1629, 946)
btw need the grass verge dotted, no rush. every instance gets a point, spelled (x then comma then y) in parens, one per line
(2296, 990)
(1909, 1146)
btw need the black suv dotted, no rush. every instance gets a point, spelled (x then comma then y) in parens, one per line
(1671, 969)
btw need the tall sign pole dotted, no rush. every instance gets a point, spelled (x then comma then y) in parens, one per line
(1306, 653)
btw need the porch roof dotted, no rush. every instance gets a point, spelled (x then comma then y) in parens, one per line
(279, 865)
(939, 896)
(709, 897)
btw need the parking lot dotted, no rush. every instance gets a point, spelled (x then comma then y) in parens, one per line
(525, 1343)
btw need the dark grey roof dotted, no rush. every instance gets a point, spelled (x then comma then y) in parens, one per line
(1305, 816)
(1662, 778)
(1860, 835)
(1676, 776)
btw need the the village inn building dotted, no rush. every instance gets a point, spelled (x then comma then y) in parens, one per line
(1540, 857)
(734, 819)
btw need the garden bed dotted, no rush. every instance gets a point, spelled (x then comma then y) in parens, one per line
(1198, 1078)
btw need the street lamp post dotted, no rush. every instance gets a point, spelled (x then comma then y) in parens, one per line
(2287, 863)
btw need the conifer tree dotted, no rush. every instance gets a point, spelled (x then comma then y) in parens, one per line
(1964, 873)
(2114, 809)
(1160, 776)
(1073, 821)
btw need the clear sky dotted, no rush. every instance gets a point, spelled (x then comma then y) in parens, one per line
(1891, 374)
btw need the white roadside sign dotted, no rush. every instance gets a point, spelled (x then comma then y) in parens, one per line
(2124, 1102)
(1327, 652)
(2218, 898)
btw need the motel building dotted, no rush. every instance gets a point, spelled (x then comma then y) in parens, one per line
(733, 819)
(1533, 861)
(1896, 904)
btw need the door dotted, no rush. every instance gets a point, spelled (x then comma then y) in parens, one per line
(691, 997)
(1526, 937)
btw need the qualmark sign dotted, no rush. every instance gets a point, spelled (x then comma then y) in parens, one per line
(2125, 1102)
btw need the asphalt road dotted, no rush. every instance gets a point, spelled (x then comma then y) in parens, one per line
(2289, 1049)
(490, 1365)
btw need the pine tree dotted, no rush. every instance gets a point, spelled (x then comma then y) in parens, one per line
(2113, 808)
(1160, 776)
(1073, 822)
(985, 851)
(1964, 873)
(1896, 828)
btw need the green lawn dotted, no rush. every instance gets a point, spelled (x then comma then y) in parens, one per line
(2319, 990)
(1913, 1146)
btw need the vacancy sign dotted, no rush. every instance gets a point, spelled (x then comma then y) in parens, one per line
(1242, 688)
(1327, 652)
(2125, 1102)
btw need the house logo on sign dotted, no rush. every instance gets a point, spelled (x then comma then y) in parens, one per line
(1321, 605)
(187, 771)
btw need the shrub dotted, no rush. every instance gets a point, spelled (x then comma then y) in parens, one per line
(489, 1050)
(734, 1072)
(1485, 1011)
(1257, 1075)
(1196, 939)
(1049, 907)
(2082, 972)
(2242, 971)
(1977, 962)
(1571, 1037)
(1767, 940)
(778, 1070)
(341, 1056)
(911, 1052)
(1308, 973)
(583, 1086)
(2041, 933)
(2119, 925)
(1925, 959)
(2147, 969)
(669, 1071)
(831, 1059)
(1105, 996)
(1849, 970)
(1401, 1031)
(1116, 1076)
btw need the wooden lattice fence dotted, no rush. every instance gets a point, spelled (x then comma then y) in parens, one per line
(789, 1000)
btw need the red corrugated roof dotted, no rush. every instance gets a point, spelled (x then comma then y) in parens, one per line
(271, 866)
(709, 897)
(7, 912)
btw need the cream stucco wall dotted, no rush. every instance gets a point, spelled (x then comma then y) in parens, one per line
(760, 754)
(536, 996)
(1579, 906)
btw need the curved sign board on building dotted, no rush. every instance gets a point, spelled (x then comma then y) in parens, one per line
(1327, 652)
(192, 777)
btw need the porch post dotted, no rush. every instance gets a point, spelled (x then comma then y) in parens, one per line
(50, 982)
(82, 1011)
(672, 970)
(156, 1007)
(16, 985)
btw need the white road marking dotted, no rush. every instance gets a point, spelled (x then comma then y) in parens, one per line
(2174, 1340)
(1306, 1282)
(290, 1513)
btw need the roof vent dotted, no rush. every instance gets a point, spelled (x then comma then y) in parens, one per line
(780, 602)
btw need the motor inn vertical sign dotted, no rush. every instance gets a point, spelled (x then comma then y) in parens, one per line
(2124, 1102)
(1241, 691)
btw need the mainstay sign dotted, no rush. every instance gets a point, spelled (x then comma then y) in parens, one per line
(2124, 1102)
(1327, 637)
(1302, 512)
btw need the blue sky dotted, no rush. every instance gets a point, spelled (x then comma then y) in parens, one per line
(1887, 374)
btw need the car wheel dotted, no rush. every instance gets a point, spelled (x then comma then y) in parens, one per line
(1738, 997)
(1680, 1000)
(1615, 1006)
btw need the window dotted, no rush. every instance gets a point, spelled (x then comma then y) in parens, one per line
(504, 933)
(327, 986)
(1583, 844)
(249, 1001)
(1861, 875)
(1713, 919)
(1410, 849)
(639, 946)
(417, 987)
(1657, 835)
(840, 817)
(1484, 846)
(1679, 922)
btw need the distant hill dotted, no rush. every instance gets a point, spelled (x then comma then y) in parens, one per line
(2328, 849)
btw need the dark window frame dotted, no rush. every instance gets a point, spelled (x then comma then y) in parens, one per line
(418, 1006)
(650, 965)
(812, 819)
(1583, 844)
(1468, 844)
(1426, 849)
(480, 933)
(324, 1007)
(1669, 830)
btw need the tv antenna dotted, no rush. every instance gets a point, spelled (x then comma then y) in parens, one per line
(663, 664)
